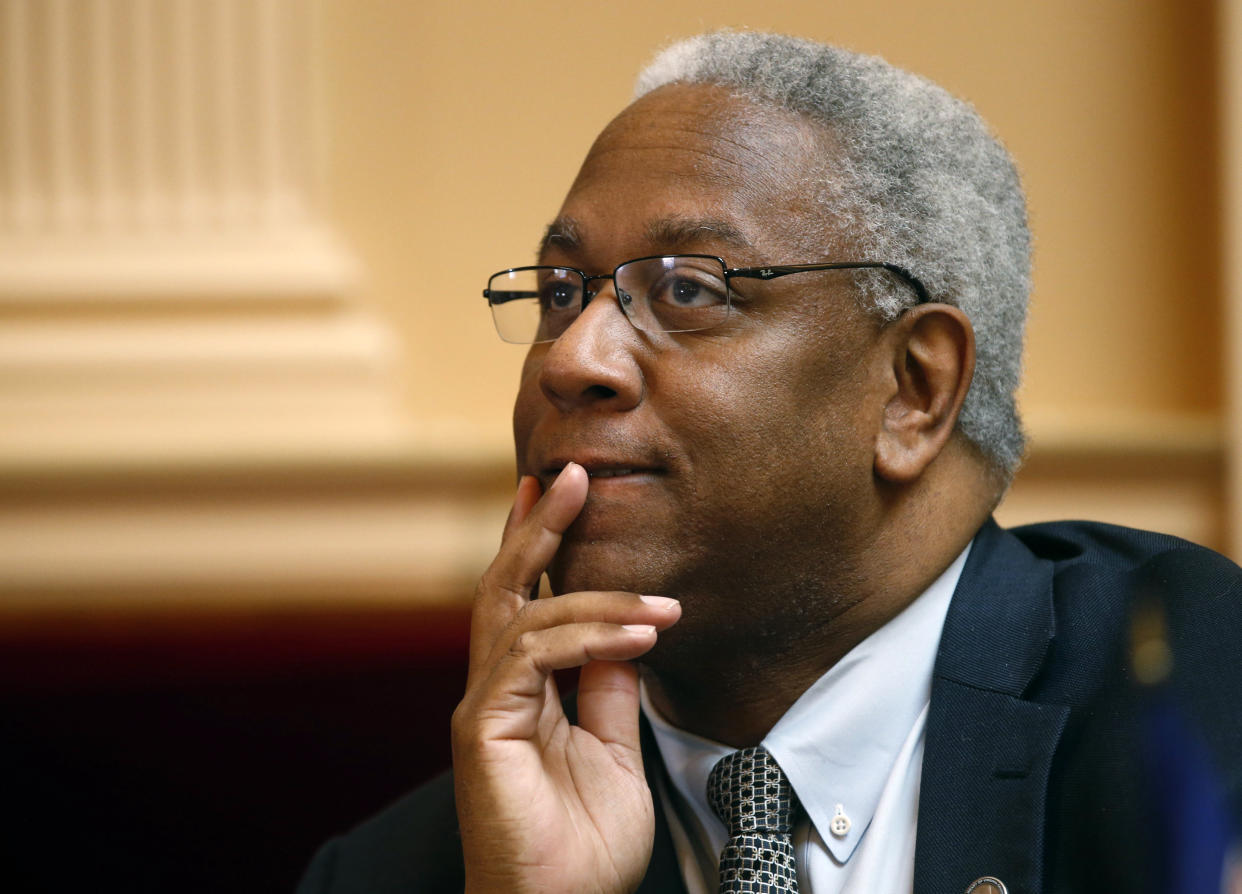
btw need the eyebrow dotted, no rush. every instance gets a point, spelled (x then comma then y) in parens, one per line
(663, 234)
(674, 233)
(562, 233)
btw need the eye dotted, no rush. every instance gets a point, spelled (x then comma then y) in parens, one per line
(556, 295)
(686, 292)
(688, 288)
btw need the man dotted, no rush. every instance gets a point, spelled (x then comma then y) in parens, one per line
(766, 415)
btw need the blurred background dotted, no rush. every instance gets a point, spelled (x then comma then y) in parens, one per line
(254, 438)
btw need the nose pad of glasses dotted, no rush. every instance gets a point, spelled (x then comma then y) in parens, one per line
(626, 300)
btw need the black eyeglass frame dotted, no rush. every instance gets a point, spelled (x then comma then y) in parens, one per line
(772, 271)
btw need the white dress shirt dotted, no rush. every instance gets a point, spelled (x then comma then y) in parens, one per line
(852, 748)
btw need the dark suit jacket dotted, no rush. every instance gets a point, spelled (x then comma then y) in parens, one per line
(1033, 768)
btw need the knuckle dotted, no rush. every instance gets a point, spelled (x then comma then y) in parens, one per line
(536, 614)
(526, 616)
(524, 644)
(462, 725)
(495, 591)
(458, 720)
(493, 582)
(487, 583)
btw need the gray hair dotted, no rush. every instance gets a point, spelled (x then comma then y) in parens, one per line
(920, 181)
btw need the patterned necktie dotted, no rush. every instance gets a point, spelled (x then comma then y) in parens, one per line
(750, 793)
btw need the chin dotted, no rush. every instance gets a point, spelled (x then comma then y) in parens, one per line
(605, 565)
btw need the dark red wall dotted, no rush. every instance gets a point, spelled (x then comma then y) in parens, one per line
(207, 753)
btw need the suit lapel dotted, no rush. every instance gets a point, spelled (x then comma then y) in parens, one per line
(988, 751)
(664, 871)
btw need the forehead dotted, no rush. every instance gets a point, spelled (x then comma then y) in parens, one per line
(696, 153)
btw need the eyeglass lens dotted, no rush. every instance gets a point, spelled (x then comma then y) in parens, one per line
(676, 293)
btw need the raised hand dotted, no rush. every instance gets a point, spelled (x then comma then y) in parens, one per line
(544, 805)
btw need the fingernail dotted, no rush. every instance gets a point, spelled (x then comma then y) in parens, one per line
(644, 629)
(663, 602)
(560, 475)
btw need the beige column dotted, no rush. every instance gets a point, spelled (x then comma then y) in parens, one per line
(169, 282)
(194, 403)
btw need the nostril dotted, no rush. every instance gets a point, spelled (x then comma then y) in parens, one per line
(599, 392)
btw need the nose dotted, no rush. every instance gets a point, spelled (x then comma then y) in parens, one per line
(594, 364)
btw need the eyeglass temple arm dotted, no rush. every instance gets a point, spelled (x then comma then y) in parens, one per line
(499, 296)
(766, 273)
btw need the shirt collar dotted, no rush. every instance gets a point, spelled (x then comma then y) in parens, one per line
(837, 743)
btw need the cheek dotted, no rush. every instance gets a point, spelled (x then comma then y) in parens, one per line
(769, 416)
(526, 406)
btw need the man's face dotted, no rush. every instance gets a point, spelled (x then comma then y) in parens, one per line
(730, 465)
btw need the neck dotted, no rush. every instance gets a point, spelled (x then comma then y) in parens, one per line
(736, 700)
(732, 683)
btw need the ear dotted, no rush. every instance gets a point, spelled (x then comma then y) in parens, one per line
(932, 351)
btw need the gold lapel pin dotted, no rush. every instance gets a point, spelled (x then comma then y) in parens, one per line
(987, 885)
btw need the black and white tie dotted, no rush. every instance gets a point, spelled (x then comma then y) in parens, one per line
(750, 793)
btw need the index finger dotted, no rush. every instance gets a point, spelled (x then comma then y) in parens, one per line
(532, 536)
(528, 493)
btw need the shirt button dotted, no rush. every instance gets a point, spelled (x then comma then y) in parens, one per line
(840, 824)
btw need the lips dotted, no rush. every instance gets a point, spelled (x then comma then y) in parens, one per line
(595, 470)
(600, 469)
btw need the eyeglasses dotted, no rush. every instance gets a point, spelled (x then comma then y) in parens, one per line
(662, 293)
